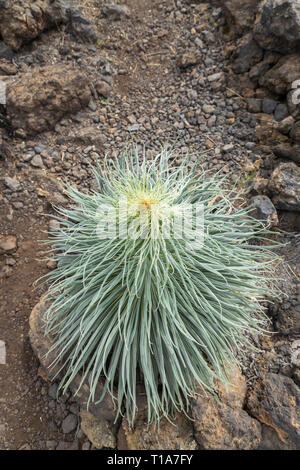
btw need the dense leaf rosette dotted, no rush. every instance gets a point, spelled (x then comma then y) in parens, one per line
(135, 297)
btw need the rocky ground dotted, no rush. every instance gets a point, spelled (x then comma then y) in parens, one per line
(80, 84)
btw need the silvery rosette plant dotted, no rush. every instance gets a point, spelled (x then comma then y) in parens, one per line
(157, 278)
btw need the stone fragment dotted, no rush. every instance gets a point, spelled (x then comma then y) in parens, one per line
(188, 59)
(21, 21)
(8, 244)
(39, 99)
(115, 12)
(280, 78)
(288, 151)
(169, 436)
(240, 14)
(218, 426)
(275, 401)
(69, 424)
(264, 209)
(278, 26)
(98, 431)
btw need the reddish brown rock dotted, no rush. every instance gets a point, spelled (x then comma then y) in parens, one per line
(267, 132)
(223, 424)
(41, 344)
(286, 125)
(39, 99)
(275, 401)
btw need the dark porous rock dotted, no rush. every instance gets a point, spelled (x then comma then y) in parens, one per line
(264, 209)
(288, 151)
(219, 426)
(247, 54)
(41, 343)
(288, 321)
(278, 26)
(295, 131)
(285, 187)
(267, 132)
(271, 441)
(188, 59)
(168, 436)
(115, 12)
(275, 401)
(289, 221)
(80, 26)
(21, 21)
(7, 68)
(87, 135)
(39, 99)
(280, 78)
(281, 112)
(223, 424)
(254, 105)
(240, 14)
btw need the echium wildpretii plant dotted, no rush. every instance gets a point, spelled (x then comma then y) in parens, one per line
(141, 291)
